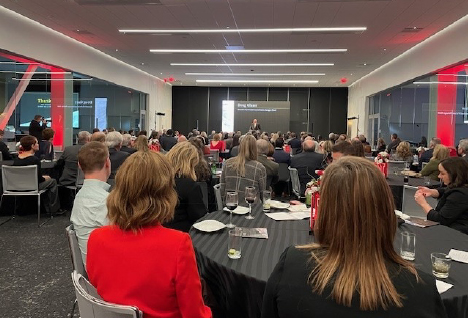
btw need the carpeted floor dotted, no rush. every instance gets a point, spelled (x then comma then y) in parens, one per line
(35, 268)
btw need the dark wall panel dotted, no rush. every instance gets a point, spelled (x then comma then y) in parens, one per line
(338, 110)
(319, 111)
(326, 107)
(217, 95)
(189, 104)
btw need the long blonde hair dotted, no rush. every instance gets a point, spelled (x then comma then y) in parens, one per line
(247, 152)
(355, 235)
(141, 143)
(403, 150)
(184, 157)
(142, 199)
(440, 152)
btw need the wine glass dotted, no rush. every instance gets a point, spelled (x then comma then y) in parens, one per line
(231, 204)
(250, 194)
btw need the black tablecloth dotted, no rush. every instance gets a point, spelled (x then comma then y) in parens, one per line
(396, 184)
(238, 285)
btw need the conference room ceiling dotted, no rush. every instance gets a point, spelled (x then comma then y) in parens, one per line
(393, 26)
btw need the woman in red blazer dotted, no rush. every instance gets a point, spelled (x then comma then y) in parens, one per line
(136, 261)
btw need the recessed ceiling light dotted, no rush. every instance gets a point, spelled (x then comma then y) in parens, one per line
(252, 51)
(228, 30)
(257, 81)
(116, 50)
(252, 64)
(255, 74)
(142, 63)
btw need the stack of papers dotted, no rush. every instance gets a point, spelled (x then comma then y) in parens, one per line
(442, 286)
(459, 256)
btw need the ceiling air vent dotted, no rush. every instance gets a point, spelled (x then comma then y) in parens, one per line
(117, 2)
(412, 30)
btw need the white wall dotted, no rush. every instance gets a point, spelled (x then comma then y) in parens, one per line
(26, 37)
(445, 48)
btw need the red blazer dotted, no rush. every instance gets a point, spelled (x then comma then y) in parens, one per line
(220, 146)
(154, 269)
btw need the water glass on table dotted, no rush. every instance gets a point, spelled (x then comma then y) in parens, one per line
(231, 204)
(266, 201)
(440, 265)
(427, 180)
(235, 243)
(408, 246)
(250, 195)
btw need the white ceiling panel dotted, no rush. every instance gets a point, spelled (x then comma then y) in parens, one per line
(385, 21)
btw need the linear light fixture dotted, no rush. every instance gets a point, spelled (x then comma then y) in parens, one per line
(34, 73)
(446, 83)
(255, 74)
(252, 51)
(252, 64)
(259, 81)
(271, 30)
(52, 79)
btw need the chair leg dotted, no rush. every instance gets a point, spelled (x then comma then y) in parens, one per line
(72, 312)
(39, 210)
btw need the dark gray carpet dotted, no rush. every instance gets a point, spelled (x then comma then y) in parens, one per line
(35, 268)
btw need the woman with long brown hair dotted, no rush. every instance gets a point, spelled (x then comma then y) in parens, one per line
(352, 270)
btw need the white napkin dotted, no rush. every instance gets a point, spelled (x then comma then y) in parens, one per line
(285, 216)
(442, 286)
(299, 208)
(459, 256)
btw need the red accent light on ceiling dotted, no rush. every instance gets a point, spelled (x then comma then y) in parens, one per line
(343, 80)
(171, 79)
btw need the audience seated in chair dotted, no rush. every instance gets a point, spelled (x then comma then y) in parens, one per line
(127, 144)
(4, 148)
(184, 157)
(28, 146)
(307, 162)
(89, 208)
(69, 160)
(114, 142)
(271, 167)
(46, 149)
(135, 260)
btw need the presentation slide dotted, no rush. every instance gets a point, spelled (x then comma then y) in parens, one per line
(38, 103)
(100, 112)
(272, 116)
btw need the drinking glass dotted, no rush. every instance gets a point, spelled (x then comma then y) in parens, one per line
(231, 204)
(234, 243)
(408, 246)
(427, 180)
(440, 265)
(250, 194)
(266, 201)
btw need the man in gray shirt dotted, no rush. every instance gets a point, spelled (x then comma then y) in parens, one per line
(89, 209)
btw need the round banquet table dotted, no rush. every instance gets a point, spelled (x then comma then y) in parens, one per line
(396, 184)
(238, 285)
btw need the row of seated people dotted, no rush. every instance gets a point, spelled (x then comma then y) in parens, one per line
(134, 259)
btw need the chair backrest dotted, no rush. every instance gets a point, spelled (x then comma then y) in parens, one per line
(21, 178)
(1, 156)
(396, 166)
(409, 205)
(204, 190)
(215, 154)
(92, 306)
(424, 164)
(75, 251)
(79, 178)
(57, 154)
(283, 172)
(219, 200)
(296, 184)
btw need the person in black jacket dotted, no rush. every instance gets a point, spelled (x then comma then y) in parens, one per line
(352, 269)
(184, 158)
(168, 141)
(307, 162)
(452, 208)
(28, 146)
(37, 125)
(114, 142)
(4, 148)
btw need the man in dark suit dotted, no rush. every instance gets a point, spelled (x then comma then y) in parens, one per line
(68, 162)
(36, 127)
(4, 148)
(295, 143)
(114, 142)
(255, 126)
(168, 141)
(463, 148)
(307, 162)
(126, 141)
(280, 155)
(427, 155)
(394, 143)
